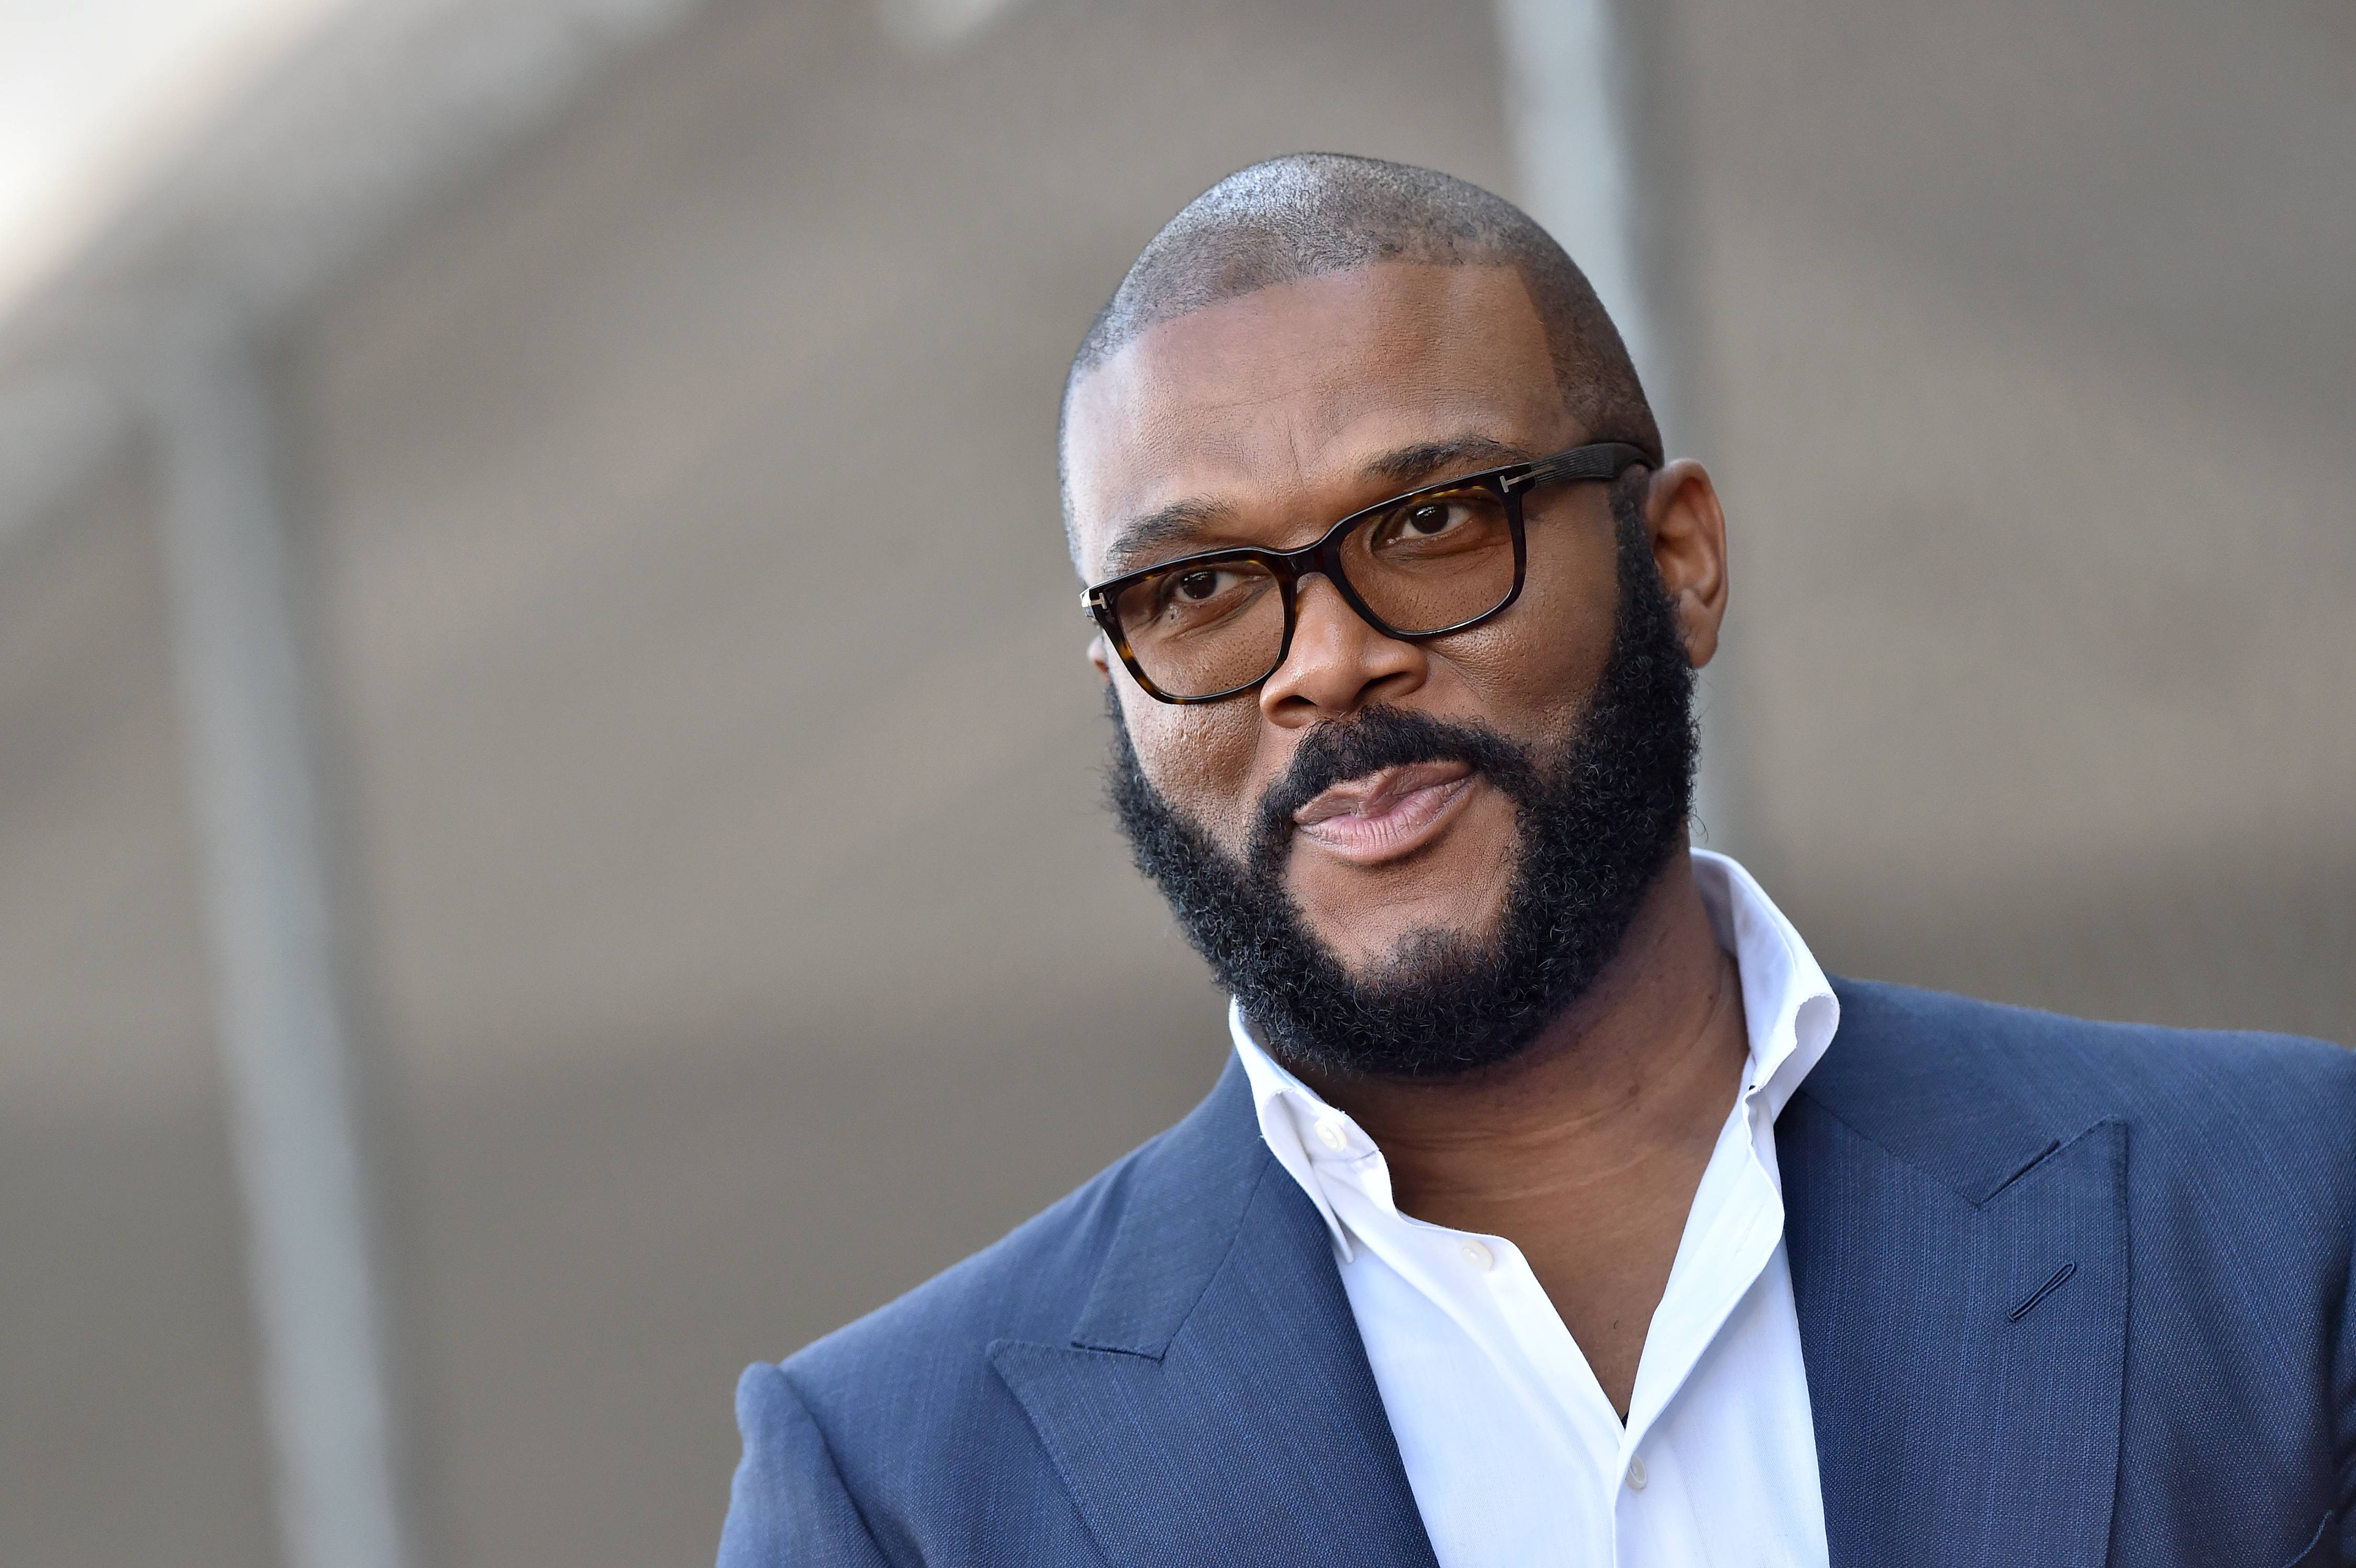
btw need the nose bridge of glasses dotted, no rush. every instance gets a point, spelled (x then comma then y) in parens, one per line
(1322, 558)
(1335, 650)
(1340, 594)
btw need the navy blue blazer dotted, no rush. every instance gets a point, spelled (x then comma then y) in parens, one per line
(2069, 1294)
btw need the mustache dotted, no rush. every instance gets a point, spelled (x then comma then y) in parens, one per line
(1340, 749)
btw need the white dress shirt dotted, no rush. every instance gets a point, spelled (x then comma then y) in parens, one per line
(1514, 1451)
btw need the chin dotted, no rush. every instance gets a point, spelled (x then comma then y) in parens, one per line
(1408, 952)
(1403, 914)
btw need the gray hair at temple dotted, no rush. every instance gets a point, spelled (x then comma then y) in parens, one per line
(1306, 214)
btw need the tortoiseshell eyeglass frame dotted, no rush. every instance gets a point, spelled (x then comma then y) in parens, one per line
(1603, 460)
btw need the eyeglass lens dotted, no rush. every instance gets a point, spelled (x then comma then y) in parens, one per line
(1433, 561)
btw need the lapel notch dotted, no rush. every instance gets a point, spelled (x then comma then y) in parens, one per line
(1962, 1277)
(1215, 1405)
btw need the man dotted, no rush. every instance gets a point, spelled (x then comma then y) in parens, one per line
(1554, 1207)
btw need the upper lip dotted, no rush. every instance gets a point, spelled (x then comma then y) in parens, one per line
(1377, 792)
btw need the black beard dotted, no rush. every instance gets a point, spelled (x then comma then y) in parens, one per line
(1598, 818)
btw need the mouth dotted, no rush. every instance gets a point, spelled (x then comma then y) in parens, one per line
(1386, 814)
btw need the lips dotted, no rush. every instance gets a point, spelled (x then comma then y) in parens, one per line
(1386, 814)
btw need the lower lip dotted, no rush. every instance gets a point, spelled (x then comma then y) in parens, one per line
(1409, 823)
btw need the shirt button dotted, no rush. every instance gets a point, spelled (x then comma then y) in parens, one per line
(1330, 1133)
(1635, 1474)
(1477, 1255)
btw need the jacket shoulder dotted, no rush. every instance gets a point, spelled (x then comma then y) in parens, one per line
(2066, 1063)
(2256, 1121)
(918, 1371)
(852, 1444)
(1030, 1284)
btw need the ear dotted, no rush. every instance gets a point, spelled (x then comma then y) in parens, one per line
(1101, 657)
(1688, 528)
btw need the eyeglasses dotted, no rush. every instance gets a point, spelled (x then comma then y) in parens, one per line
(1440, 558)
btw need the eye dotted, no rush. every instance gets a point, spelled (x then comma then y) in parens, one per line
(1432, 520)
(1198, 586)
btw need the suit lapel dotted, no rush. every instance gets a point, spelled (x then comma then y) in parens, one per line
(1961, 1277)
(1215, 1405)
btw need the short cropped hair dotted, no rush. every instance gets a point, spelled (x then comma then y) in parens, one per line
(1307, 214)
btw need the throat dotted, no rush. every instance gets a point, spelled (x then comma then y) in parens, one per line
(1586, 1155)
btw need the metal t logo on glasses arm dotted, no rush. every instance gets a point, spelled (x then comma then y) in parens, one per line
(1438, 559)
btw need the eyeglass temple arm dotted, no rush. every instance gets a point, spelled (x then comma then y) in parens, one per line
(1607, 460)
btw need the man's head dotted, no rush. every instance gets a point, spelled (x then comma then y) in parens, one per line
(1313, 214)
(1405, 856)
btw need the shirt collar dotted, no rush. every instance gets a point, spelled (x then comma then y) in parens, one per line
(1787, 1002)
(1288, 1108)
(1788, 1006)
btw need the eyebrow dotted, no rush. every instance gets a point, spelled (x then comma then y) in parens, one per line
(1149, 539)
(1469, 453)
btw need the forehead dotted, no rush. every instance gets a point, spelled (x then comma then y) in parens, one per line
(1277, 399)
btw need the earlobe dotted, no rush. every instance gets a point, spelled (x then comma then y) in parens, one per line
(1701, 630)
(1101, 657)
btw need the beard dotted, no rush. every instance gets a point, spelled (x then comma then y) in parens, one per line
(1598, 813)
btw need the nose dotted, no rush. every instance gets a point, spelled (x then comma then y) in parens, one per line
(1338, 663)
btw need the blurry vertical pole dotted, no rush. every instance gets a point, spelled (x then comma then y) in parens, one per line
(1598, 144)
(312, 1261)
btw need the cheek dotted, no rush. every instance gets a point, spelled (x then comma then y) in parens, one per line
(1201, 758)
(1540, 660)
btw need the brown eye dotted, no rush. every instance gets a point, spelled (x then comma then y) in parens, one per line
(1198, 585)
(1428, 519)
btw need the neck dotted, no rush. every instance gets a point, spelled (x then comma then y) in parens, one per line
(1627, 1089)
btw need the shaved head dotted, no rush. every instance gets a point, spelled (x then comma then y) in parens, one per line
(1307, 214)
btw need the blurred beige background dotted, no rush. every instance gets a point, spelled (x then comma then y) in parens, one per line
(740, 937)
